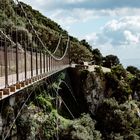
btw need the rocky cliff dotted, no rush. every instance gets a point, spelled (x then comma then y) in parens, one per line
(84, 108)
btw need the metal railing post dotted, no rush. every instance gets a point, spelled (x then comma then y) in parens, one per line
(25, 62)
(17, 64)
(36, 62)
(40, 62)
(6, 65)
(44, 62)
(49, 63)
(31, 62)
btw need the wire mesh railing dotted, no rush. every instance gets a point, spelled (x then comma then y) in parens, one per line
(23, 54)
(17, 65)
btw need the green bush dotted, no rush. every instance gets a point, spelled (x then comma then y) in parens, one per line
(81, 129)
(133, 70)
(114, 118)
(119, 71)
(44, 103)
(119, 83)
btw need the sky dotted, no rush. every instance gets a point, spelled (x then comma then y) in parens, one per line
(113, 26)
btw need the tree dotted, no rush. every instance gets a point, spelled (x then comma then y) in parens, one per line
(133, 70)
(97, 56)
(79, 53)
(119, 120)
(110, 60)
(119, 71)
(85, 43)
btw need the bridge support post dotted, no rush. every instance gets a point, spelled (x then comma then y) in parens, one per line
(40, 62)
(31, 62)
(44, 62)
(48, 63)
(52, 63)
(25, 62)
(36, 62)
(6, 65)
(12, 100)
(69, 57)
(17, 71)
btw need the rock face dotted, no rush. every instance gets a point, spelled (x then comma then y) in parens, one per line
(94, 89)
(89, 89)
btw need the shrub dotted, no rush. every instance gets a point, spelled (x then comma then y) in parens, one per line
(133, 70)
(115, 118)
(81, 129)
(44, 103)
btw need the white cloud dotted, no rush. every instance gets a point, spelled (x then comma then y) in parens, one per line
(72, 11)
(66, 17)
(120, 37)
(131, 38)
(123, 31)
(88, 4)
(75, 1)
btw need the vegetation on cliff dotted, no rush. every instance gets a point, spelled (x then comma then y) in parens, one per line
(113, 101)
(42, 119)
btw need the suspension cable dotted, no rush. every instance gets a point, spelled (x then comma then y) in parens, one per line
(57, 44)
(51, 54)
(65, 104)
(56, 91)
(62, 81)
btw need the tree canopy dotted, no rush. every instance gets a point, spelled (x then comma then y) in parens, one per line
(110, 61)
(133, 70)
(97, 56)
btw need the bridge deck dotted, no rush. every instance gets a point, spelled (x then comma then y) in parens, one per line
(15, 87)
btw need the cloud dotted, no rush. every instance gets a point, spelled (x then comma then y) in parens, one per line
(66, 17)
(68, 12)
(88, 4)
(131, 38)
(120, 37)
(124, 31)
(75, 1)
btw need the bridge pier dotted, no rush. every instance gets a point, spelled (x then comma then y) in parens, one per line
(12, 101)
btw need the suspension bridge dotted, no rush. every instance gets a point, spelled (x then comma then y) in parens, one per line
(24, 63)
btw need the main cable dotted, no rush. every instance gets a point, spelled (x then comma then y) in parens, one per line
(58, 44)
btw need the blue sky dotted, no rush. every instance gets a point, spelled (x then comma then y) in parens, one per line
(113, 26)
